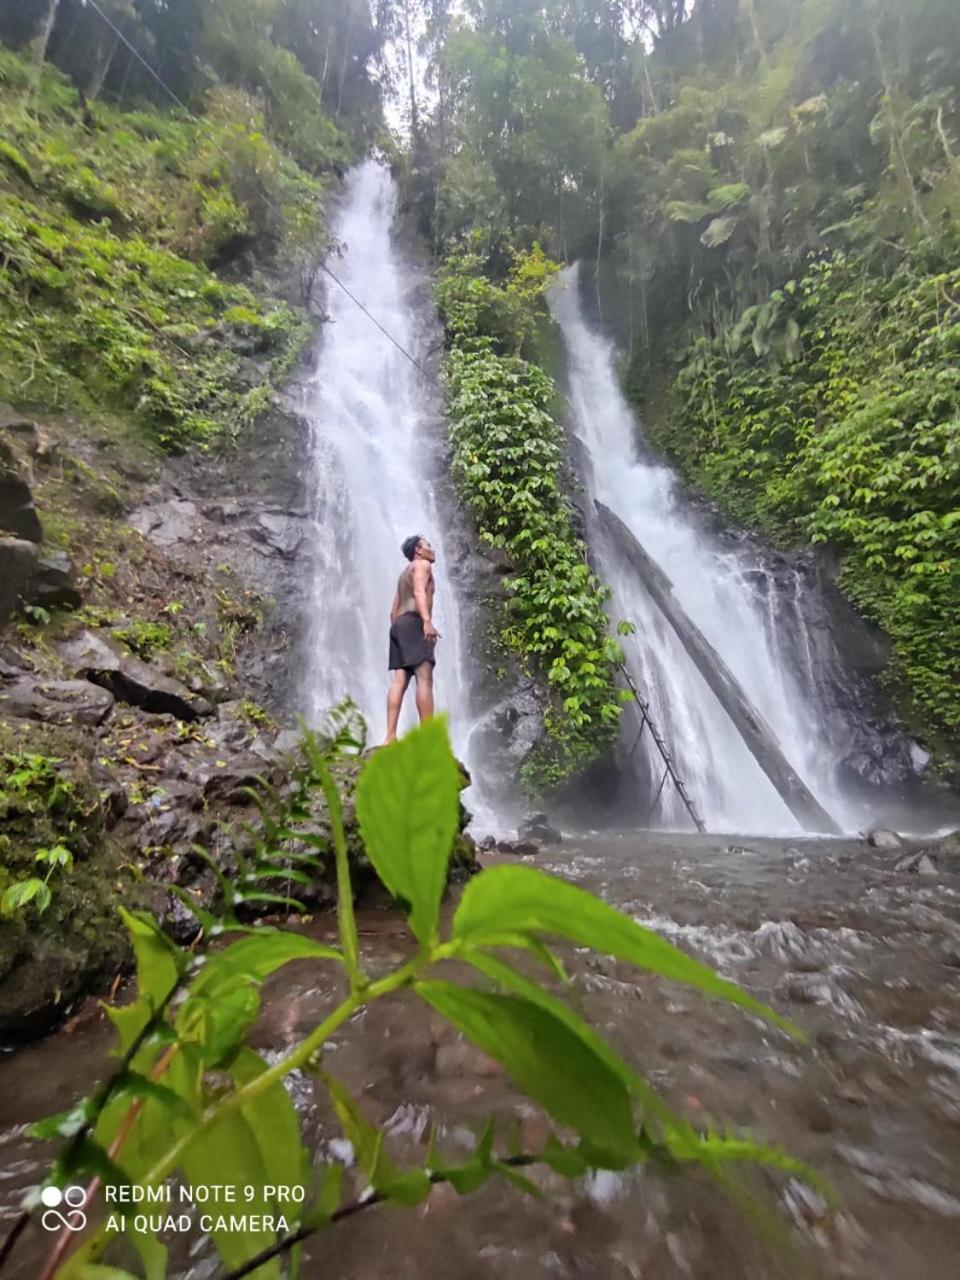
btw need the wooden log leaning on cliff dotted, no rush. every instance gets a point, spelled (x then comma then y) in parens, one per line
(751, 726)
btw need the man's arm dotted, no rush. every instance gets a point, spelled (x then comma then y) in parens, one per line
(395, 608)
(422, 574)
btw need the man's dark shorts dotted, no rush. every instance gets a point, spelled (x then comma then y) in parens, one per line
(409, 647)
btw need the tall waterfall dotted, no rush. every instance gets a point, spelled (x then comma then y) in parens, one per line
(374, 462)
(753, 618)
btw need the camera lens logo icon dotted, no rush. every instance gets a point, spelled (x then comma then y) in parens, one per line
(72, 1217)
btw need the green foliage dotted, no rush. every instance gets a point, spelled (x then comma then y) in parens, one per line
(510, 313)
(144, 637)
(12, 158)
(856, 443)
(190, 1098)
(22, 892)
(408, 810)
(107, 297)
(508, 460)
(518, 132)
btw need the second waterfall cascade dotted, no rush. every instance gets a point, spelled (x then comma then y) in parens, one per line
(757, 627)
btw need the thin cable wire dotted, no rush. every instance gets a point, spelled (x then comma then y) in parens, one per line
(323, 266)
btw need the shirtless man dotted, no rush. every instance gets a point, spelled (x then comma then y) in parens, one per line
(412, 633)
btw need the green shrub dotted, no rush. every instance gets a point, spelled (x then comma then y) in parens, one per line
(508, 461)
(15, 160)
(107, 298)
(856, 442)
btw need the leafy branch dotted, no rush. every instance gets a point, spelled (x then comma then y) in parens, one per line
(186, 1033)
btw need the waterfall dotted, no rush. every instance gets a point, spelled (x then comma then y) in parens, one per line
(753, 617)
(374, 453)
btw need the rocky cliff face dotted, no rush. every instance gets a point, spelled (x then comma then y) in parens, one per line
(148, 683)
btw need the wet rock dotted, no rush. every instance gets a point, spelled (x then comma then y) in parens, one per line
(166, 523)
(229, 784)
(52, 583)
(180, 922)
(946, 852)
(500, 561)
(113, 797)
(880, 838)
(225, 511)
(18, 559)
(918, 864)
(520, 848)
(18, 515)
(509, 733)
(283, 534)
(57, 701)
(537, 827)
(91, 656)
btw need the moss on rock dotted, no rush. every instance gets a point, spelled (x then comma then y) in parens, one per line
(50, 795)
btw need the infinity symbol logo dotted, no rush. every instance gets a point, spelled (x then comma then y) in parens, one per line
(74, 1219)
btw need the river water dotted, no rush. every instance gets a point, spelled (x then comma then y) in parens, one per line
(865, 958)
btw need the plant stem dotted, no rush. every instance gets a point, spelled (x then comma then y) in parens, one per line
(345, 917)
(521, 1161)
(298, 1057)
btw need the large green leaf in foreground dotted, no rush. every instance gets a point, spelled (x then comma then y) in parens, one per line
(546, 1059)
(407, 807)
(510, 900)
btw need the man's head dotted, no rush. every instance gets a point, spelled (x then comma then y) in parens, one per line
(416, 547)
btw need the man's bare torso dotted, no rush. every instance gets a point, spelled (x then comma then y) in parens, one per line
(406, 594)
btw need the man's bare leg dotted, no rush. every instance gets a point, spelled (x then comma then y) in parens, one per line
(424, 674)
(398, 687)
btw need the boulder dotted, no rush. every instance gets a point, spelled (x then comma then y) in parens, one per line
(918, 864)
(53, 582)
(229, 784)
(166, 523)
(942, 855)
(18, 560)
(520, 848)
(283, 534)
(57, 701)
(536, 826)
(18, 515)
(880, 838)
(92, 657)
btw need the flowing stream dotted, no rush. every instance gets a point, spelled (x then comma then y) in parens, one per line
(864, 957)
(756, 619)
(374, 467)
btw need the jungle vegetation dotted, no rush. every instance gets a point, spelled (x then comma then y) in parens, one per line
(768, 194)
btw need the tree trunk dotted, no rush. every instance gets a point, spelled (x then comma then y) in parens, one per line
(897, 149)
(43, 35)
(102, 67)
(343, 62)
(414, 119)
(754, 730)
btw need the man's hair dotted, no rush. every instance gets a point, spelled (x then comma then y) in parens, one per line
(409, 546)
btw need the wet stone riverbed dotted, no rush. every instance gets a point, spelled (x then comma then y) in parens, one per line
(865, 957)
